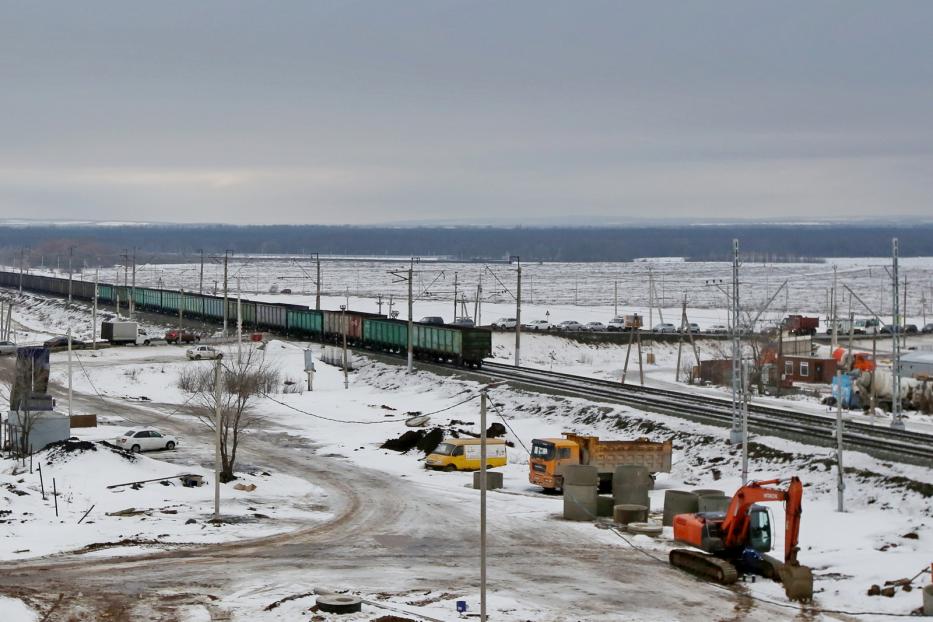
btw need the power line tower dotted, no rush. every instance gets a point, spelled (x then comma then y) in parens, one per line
(735, 434)
(897, 421)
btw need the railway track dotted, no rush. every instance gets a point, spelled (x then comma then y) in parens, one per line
(878, 441)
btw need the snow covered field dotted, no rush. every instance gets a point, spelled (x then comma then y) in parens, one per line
(579, 291)
(309, 442)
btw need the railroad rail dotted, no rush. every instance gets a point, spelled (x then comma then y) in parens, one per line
(878, 441)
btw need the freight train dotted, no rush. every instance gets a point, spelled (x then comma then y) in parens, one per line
(466, 346)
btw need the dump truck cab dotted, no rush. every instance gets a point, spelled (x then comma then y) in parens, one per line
(549, 457)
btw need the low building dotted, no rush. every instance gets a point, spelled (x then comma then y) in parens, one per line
(35, 429)
(808, 369)
(916, 363)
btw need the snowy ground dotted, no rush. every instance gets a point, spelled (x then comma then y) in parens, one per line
(579, 291)
(883, 535)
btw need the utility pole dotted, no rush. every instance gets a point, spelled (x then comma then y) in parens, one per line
(201, 278)
(478, 312)
(379, 303)
(226, 259)
(615, 299)
(411, 319)
(22, 261)
(69, 372)
(239, 325)
(896, 417)
(518, 309)
(744, 427)
(343, 329)
(835, 316)
(133, 290)
(840, 482)
(482, 506)
(317, 296)
(454, 319)
(71, 251)
(94, 311)
(218, 417)
(735, 434)
(181, 313)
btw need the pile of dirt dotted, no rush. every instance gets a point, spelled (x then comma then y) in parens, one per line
(424, 441)
(63, 450)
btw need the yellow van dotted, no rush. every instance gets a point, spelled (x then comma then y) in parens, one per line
(462, 454)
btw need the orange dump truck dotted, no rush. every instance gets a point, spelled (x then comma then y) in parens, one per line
(549, 456)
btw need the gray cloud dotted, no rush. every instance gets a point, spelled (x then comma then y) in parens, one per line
(362, 112)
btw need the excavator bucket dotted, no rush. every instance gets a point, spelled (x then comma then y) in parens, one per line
(797, 581)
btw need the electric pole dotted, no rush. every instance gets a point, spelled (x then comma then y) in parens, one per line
(94, 311)
(218, 417)
(454, 319)
(411, 319)
(735, 434)
(343, 323)
(71, 252)
(22, 261)
(482, 505)
(518, 309)
(896, 418)
(226, 258)
(133, 286)
(317, 296)
(615, 299)
(835, 316)
(201, 278)
(239, 325)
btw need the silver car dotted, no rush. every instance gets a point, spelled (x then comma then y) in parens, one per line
(7, 347)
(664, 327)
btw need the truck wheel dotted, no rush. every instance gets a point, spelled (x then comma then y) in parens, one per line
(147, 343)
(450, 468)
(197, 357)
(136, 449)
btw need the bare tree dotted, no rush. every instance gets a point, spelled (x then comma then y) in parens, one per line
(243, 380)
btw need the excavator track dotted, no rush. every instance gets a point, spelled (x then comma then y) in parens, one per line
(704, 565)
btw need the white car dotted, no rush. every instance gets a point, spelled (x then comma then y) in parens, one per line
(595, 327)
(718, 329)
(537, 325)
(505, 322)
(617, 323)
(570, 325)
(145, 439)
(664, 327)
(204, 352)
(7, 347)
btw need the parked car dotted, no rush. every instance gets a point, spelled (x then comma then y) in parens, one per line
(463, 321)
(887, 329)
(285, 290)
(911, 329)
(537, 325)
(595, 327)
(570, 325)
(175, 336)
(928, 328)
(718, 329)
(505, 322)
(204, 352)
(432, 319)
(664, 327)
(693, 327)
(7, 347)
(146, 439)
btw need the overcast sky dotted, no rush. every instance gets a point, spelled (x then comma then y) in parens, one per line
(443, 111)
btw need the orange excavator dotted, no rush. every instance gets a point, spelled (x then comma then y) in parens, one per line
(737, 541)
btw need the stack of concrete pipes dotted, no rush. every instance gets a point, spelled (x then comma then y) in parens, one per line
(581, 492)
(689, 502)
(630, 486)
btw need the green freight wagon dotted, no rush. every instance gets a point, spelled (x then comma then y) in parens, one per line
(385, 334)
(304, 322)
(476, 344)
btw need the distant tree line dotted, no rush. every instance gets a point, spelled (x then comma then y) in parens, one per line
(104, 245)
